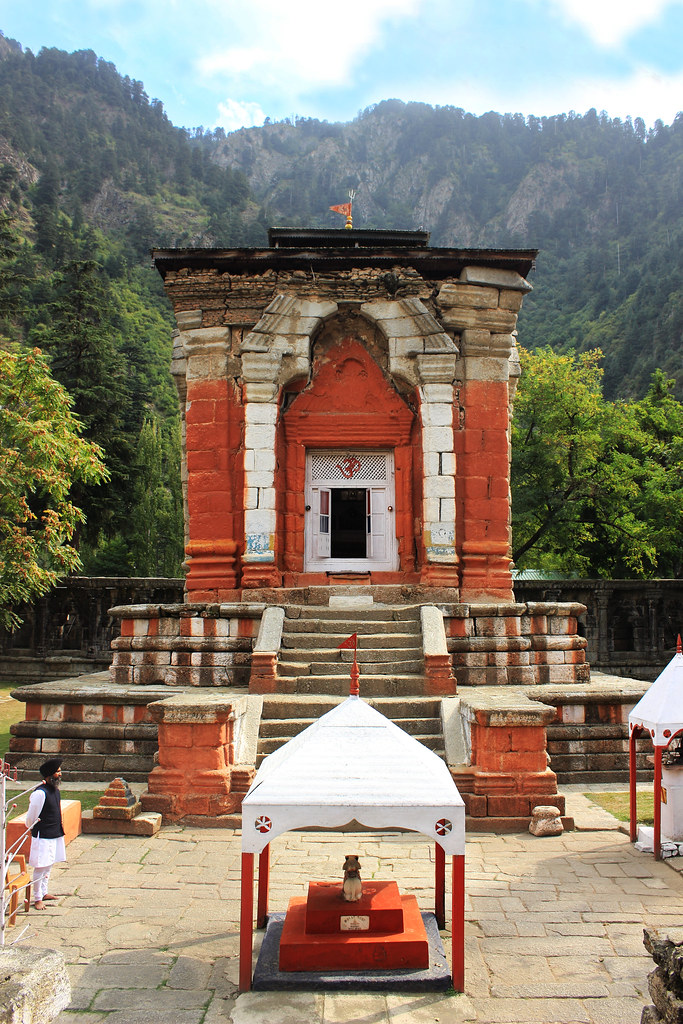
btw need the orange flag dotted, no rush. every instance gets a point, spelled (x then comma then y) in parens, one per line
(350, 643)
(344, 209)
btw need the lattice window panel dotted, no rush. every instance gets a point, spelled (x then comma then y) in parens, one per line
(332, 466)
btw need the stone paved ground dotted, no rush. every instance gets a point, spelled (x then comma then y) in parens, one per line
(554, 927)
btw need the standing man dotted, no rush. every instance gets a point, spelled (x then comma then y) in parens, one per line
(44, 818)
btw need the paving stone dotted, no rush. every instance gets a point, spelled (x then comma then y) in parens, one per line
(533, 989)
(157, 999)
(348, 1007)
(278, 1008)
(149, 1015)
(100, 976)
(188, 973)
(533, 1011)
(429, 1008)
(66, 1017)
(615, 1011)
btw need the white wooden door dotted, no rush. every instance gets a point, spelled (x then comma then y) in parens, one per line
(332, 475)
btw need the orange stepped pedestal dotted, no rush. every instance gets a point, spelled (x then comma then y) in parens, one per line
(381, 931)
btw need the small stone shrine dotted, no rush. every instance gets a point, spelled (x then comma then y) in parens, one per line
(353, 767)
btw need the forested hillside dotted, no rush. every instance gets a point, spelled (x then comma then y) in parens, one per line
(601, 198)
(92, 174)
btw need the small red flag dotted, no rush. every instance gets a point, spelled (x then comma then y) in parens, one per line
(350, 643)
(344, 209)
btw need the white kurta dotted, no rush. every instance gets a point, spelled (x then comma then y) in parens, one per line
(44, 852)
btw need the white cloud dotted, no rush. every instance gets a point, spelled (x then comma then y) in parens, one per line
(234, 114)
(645, 93)
(609, 22)
(302, 45)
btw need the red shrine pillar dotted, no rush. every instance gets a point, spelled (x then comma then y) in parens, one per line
(483, 459)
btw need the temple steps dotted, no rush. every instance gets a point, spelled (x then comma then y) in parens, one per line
(389, 655)
(282, 719)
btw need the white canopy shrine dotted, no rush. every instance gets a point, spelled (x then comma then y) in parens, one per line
(353, 765)
(659, 713)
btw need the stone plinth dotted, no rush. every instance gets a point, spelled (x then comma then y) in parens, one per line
(196, 761)
(185, 645)
(34, 985)
(100, 729)
(508, 774)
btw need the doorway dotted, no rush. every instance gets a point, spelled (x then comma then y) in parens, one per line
(350, 521)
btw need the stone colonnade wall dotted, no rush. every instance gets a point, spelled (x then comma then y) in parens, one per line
(630, 626)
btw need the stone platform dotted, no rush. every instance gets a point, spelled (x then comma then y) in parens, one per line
(553, 930)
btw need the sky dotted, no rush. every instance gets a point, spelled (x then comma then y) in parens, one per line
(234, 63)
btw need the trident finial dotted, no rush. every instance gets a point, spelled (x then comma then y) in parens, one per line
(346, 209)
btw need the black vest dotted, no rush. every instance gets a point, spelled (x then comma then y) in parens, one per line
(50, 824)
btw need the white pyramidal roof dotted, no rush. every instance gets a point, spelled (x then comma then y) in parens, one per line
(353, 764)
(660, 709)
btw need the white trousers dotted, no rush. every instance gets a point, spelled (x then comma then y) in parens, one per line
(41, 877)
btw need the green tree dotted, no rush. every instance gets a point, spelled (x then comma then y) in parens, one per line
(157, 515)
(82, 339)
(594, 490)
(42, 456)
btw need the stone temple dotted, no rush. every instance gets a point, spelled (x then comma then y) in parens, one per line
(346, 399)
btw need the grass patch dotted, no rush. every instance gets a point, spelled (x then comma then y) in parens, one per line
(11, 711)
(89, 798)
(618, 805)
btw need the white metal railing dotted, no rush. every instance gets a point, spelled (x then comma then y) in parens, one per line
(7, 854)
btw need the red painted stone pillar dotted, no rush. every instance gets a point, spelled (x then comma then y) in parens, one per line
(483, 455)
(196, 757)
(213, 421)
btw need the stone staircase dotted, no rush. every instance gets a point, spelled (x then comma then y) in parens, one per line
(283, 717)
(389, 655)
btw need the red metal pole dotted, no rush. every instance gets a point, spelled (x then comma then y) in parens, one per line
(658, 803)
(439, 886)
(458, 923)
(632, 779)
(246, 921)
(263, 885)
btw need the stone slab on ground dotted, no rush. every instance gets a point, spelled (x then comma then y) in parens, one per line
(146, 824)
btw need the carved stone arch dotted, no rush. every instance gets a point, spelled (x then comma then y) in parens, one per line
(420, 351)
(278, 349)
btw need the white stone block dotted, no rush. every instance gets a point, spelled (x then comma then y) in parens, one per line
(437, 414)
(250, 497)
(432, 463)
(260, 480)
(250, 460)
(259, 521)
(447, 511)
(497, 278)
(448, 463)
(431, 509)
(263, 461)
(404, 348)
(260, 412)
(260, 435)
(439, 487)
(437, 439)
(259, 391)
(266, 497)
(437, 393)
